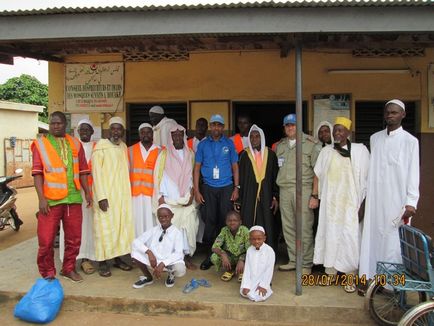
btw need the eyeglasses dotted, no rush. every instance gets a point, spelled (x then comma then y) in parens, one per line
(161, 236)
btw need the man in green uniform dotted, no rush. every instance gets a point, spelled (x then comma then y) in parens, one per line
(286, 181)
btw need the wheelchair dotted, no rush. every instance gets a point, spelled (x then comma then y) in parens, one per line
(403, 294)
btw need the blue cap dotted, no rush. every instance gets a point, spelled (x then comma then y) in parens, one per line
(290, 118)
(217, 118)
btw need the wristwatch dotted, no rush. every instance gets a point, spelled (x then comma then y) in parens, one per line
(238, 186)
(314, 196)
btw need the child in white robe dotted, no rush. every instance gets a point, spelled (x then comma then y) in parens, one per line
(259, 266)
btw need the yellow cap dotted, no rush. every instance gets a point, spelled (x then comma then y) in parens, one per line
(344, 122)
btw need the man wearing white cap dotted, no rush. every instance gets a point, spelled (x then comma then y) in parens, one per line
(159, 250)
(393, 190)
(342, 170)
(161, 125)
(113, 221)
(142, 157)
(259, 266)
(174, 187)
(87, 247)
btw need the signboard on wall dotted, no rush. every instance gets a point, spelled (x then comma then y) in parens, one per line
(431, 95)
(327, 107)
(94, 87)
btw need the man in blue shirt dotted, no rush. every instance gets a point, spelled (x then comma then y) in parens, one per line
(217, 162)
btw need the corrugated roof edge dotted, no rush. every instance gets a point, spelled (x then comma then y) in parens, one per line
(265, 4)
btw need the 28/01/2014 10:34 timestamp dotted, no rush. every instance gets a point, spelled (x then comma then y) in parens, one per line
(351, 279)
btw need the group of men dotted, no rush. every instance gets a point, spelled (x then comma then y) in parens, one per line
(201, 179)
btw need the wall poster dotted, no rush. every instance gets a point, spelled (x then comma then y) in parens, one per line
(94, 87)
(327, 107)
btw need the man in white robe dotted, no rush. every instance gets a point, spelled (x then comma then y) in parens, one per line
(393, 190)
(142, 158)
(174, 186)
(161, 125)
(258, 268)
(87, 246)
(342, 171)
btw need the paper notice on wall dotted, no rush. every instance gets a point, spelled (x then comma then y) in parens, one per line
(94, 87)
(329, 106)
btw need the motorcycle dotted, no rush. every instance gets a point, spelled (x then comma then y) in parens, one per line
(8, 213)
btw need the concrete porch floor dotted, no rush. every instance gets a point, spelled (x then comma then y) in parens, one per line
(317, 306)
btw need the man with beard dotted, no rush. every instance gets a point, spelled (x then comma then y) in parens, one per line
(142, 158)
(113, 221)
(342, 171)
(259, 192)
(174, 187)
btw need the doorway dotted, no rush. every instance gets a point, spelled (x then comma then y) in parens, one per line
(268, 116)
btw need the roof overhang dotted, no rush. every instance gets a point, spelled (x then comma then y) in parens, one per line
(29, 35)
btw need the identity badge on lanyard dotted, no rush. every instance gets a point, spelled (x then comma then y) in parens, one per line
(216, 173)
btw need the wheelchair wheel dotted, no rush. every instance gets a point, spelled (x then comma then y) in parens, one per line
(388, 306)
(421, 315)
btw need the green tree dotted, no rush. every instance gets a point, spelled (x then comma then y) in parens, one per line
(26, 89)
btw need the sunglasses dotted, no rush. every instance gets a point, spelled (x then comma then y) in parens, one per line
(161, 236)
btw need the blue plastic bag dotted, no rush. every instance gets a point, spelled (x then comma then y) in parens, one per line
(42, 303)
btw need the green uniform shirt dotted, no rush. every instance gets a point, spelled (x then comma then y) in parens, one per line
(236, 245)
(74, 195)
(286, 160)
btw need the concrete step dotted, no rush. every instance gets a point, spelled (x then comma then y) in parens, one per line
(318, 305)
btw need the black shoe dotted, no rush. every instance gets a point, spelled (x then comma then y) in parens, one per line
(170, 281)
(143, 281)
(206, 264)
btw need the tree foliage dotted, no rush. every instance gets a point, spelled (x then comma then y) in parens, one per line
(26, 89)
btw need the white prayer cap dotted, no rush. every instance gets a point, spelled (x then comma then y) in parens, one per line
(157, 109)
(257, 228)
(117, 120)
(397, 102)
(165, 206)
(145, 125)
(86, 121)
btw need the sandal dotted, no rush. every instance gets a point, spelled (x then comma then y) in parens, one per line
(203, 282)
(87, 267)
(227, 276)
(121, 265)
(190, 286)
(350, 288)
(104, 270)
(240, 277)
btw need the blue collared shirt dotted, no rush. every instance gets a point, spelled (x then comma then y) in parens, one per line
(220, 154)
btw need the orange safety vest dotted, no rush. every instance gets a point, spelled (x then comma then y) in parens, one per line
(142, 173)
(190, 143)
(55, 179)
(238, 142)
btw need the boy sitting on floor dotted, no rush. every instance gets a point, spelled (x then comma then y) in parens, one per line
(258, 271)
(159, 249)
(229, 248)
